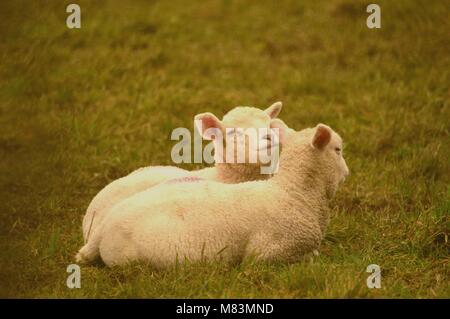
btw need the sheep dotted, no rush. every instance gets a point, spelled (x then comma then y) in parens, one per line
(144, 178)
(278, 219)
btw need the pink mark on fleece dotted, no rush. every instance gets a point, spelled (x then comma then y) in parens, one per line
(187, 179)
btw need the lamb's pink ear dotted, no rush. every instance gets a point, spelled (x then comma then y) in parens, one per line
(205, 121)
(274, 109)
(322, 136)
(280, 129)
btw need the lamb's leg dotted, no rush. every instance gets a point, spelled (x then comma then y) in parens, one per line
(269, 248)
(262, 248)
(89, 252)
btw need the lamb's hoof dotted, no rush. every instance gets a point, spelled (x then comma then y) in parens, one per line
(316, 252)
(80, 258)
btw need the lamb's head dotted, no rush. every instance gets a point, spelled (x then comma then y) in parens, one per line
(329, 143)
(247, 130)
(318, 154)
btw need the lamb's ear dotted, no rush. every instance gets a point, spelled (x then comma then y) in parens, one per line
(280, 128)
(322, 136)
(205, 121)
(274, 109)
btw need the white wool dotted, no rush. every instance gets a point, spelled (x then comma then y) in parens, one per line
(147, 177)
(124, 187)
(275, 220)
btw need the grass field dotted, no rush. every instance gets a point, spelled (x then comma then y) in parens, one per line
(82, 107)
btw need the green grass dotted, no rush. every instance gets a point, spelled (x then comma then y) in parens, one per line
(80, 108)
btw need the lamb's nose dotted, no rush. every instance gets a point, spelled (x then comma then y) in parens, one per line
(347, 171)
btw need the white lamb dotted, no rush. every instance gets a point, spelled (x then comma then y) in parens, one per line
(144, 178)
(274, 220)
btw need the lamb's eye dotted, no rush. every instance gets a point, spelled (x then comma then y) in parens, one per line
(337, 149)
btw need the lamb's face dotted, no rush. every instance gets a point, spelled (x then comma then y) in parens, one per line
(335, 148)
(330, 145)
(243, 129)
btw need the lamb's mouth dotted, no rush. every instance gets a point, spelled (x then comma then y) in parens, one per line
(267, 147)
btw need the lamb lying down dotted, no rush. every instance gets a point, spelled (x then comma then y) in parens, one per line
(144, 178)
(278, 219)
